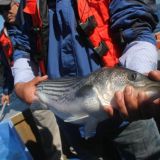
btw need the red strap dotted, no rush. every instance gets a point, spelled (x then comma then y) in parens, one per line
(30, 6)
(42, 67)
(6, 44)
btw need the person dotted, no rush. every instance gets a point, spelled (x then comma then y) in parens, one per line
(17, 47)
(129, 139)
(136, 110)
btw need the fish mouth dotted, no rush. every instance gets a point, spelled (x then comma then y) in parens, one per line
(143, 85)
(152, 90)
(153, 86)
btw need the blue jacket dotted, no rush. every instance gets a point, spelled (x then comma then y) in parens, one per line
(133, 20)
(69, 55)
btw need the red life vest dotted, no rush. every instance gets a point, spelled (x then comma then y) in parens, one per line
(94, 21)
(6, 44)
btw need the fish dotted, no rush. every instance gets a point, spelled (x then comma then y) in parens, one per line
(81, 100)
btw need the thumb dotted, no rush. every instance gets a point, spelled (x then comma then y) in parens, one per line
(39, 79)
(154, 75)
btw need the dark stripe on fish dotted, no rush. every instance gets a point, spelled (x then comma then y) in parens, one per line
(56, 88)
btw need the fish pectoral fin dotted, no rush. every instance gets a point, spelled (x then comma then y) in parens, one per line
(90, 128)
(85, 91)
(75, 118)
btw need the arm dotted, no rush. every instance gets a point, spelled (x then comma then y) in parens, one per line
(135, 22)
(132, 25)
(24, 79)
(132, 21)
(24, 69)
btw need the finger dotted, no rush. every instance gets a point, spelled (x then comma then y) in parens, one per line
(119, 97)
(142, 97)
(157, 101)
(144, 109)
(5, 99)
(39, 79)
(45, 77)
(156, 106)
(154, 75)
(109, 110)
(130, 98)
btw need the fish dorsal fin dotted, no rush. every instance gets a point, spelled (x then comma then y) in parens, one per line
(75, 118)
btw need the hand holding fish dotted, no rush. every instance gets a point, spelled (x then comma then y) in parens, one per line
(133, 105)
(26, 91)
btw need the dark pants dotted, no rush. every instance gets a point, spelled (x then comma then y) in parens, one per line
(139, 140)
(136, 141)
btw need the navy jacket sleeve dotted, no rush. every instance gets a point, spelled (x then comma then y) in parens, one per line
(7, 74)
(132, 20)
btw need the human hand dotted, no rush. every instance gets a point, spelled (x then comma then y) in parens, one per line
(5, 98)
(127, 104)
(133, 105)
(154, 75)
(26, 91)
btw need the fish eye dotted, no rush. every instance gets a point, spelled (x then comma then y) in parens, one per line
(132, 76)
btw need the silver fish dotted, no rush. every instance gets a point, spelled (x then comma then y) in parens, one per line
(82, 100)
